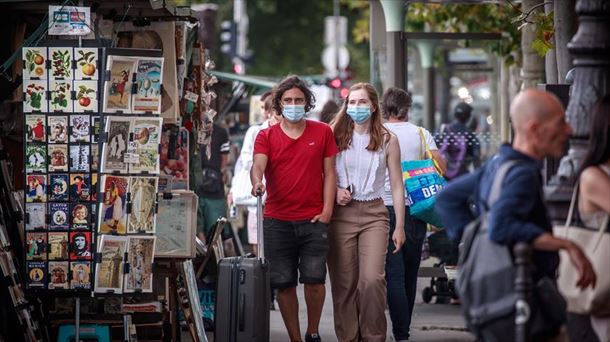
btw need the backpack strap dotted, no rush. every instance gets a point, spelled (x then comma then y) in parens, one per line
(496, 186)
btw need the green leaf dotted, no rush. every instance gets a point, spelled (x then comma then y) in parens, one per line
(89, 91)
(541, 47)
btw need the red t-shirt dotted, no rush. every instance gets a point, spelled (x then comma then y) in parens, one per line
(295, 170)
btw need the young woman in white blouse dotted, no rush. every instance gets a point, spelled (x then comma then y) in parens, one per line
(358, 232)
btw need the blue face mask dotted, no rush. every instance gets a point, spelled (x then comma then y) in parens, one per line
(293, 113)
(359, 114)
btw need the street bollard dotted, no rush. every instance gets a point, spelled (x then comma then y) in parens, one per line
(523, 287)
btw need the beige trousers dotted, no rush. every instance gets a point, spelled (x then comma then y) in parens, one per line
(358, 242)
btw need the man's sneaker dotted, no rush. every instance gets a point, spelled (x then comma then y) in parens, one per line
(312, 338)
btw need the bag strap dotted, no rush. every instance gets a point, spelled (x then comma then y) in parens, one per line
(421, 143)
(572, 206)
(496, 186)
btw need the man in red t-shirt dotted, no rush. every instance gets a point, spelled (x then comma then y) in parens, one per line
(297, 158)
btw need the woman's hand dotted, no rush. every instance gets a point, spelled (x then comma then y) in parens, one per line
(343, 196)
(398, 238)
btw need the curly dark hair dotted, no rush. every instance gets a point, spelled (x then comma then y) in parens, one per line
(289, 82)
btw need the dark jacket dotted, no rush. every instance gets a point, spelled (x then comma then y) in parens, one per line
(519, 215)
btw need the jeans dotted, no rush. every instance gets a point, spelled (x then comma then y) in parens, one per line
(401, 272)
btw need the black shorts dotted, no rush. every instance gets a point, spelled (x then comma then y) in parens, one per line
(292, 246)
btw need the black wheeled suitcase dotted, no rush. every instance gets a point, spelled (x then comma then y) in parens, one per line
(243, 295)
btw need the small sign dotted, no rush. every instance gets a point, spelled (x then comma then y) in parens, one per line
(69, 20)
(193, 97)
(131, 156)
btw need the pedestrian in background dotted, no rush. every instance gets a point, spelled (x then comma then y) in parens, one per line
(297, 159)
(402, 266)
(329, 110)
(359, 228)
(459, 145)
(519, 214)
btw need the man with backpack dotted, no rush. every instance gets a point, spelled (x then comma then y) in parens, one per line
(459, 146)
(517, 214)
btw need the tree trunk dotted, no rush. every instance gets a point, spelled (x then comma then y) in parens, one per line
(532, 71)
(550, 59)
(565, 28)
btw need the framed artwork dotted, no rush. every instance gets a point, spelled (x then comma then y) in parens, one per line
(59, 187)
(174, 158)
(34, 63)
(36, 274)
(35, 128)
(113, 153)
(146, 137)
(36, 246)
(36, 188)
(117, 90)
(113, 211)
(61, 98)
(109, 272)
(86, 63)
(58, 158)
(58, 129)
(58, 246)
(81, 275)
(79, 158)
(143, 192)
(86, 96)
(148, 82)
(176, 225)
(34, 96)
(80, 187)
(81, 128)
(60, 215)
(61, 63)
(140, 256)
(80, 246)
(58, 273)
(37, 216)
(35, 158)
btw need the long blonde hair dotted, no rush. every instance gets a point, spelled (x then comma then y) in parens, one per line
(343, 125)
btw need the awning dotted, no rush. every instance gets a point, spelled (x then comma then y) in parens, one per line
(255, 81)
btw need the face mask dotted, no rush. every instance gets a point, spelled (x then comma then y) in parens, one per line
(359, 114)
(293, 113)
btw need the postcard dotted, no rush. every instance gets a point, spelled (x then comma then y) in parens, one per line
(147, 137)
(86, 97)
(58, 246)
(141, 219)
(176, 219)
(81, 275)
(81, 128)
(58, 129)
(113, 153)
(174, 158)
(36, 246)
(35, 128)
(58, 157)
(93, 188)
(80, 246)
(34, 63)
(86, 63)
(36, 188)
(80, 187)
(109, 272)
(79, 216)
(61, 98)
(148, 82)
(95, 157)
(37, 216)
(95, 131)
(113, 212)
(140, 256)
(35, 96)
(59, 213)
(59, 187)
(79, 158)
(118, 89)
(61, 63)
(37, 274)
(58, 272)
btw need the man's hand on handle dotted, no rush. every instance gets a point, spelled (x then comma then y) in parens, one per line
(258, 189)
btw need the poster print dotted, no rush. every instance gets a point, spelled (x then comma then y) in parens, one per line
(61, 63)
(36, 246)
(58, 273)
(86, 63)
(113, 213)
(118, 89)
(175, 221)
(36, 188)
(80, 245)
(95, 129)
(79, 158)
(143, 199)
(140, 256)
(61, 100)
(81, 128)
(59, 187)
(34, 65)
(148, 82)
(93, 189)
(174, 158)
(35, 158)
(60, 215)
(95, 157)
(58, 246)
(81, 275)
(86, 96)
(147, 137)
(36, 274)
(79, 216)
(35, 128)
(80, 187)
(113, 153)
(58, 157)
(58, 129)
(35, 96)
(36, 216)
(109, 272)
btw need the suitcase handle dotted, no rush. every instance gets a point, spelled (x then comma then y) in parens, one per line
(242, 312)
(259, 226)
